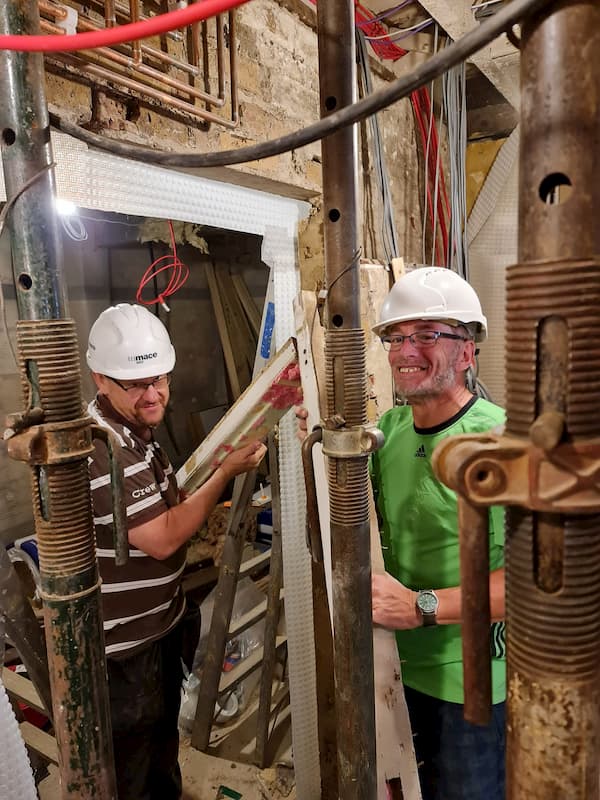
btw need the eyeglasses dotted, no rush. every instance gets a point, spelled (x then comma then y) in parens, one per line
(161, 382)
(417, 339)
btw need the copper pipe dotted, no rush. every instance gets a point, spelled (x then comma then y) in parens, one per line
(56, 11)
(134, 16)
(138, 88)
(131, 64)
(110, 15)
(135, 63)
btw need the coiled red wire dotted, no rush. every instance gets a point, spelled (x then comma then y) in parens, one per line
(170, 261)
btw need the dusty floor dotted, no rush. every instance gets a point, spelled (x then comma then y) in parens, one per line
(204, 774)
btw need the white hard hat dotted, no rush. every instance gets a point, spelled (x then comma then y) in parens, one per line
(432, 293)
(129, 342)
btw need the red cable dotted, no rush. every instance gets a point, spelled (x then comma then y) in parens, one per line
(120, 34)
(443, 211)
(416, 103)
(435, 137)
(180, 275)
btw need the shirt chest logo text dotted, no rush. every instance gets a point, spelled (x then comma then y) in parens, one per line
(137, 493)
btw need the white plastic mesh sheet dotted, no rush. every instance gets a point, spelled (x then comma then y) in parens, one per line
(16, 778)
(104, 182)
(280, 253)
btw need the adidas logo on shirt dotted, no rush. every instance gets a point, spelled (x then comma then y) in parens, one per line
(420, 453)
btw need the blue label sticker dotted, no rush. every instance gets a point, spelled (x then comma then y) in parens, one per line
(267, 337)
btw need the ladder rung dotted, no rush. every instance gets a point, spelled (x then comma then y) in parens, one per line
(39, 741)
(253, 563)
(22, 689)
(250, 617)
(231, 679)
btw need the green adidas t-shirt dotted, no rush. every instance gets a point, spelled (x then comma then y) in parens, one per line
(420, 542)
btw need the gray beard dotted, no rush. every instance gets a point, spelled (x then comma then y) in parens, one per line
(436, 388)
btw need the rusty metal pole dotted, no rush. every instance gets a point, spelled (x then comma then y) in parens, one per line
(553, 362)
(51, 435)
(347, 414)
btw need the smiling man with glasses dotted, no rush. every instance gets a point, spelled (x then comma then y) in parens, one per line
(147, 628)
(429, 324)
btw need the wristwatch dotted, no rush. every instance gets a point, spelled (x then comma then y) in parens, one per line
(427, 603)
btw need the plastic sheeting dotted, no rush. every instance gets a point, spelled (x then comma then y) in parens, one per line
(280, 254)
(16, 778)
(492, 232)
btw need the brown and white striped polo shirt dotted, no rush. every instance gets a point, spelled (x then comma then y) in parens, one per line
(142, 600)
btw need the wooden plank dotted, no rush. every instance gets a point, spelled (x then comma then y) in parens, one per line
(238, 327)
(40, 742)
(228, 354)
(255, 563)
(241, 670)
(22, 689)
(247, 302)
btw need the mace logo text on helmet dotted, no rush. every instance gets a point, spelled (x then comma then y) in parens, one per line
(142, 357)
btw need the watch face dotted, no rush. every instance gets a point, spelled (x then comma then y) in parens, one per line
(427, 602)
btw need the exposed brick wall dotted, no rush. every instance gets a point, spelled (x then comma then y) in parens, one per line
(278, 93)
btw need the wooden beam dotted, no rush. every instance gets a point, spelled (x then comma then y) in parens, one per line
(456, 18)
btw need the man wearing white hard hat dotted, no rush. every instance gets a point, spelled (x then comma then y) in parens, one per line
(430, 323)
(131, 358)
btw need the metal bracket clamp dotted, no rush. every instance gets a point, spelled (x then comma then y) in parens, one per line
(541, 473)
(501, 470)
(356, 442)
(54, 443)
(347, 443)
(49, 443)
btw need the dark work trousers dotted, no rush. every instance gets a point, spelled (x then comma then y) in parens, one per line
(145, 695)
(457, 760)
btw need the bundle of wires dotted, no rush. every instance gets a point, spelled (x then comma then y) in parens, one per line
(455, 104)
(389, 237)
(436, 198)
(435, 204)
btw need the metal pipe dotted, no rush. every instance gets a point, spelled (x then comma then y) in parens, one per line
(233, 67)
(553, 560)
(57, 451)
(347, 411)
(473, 524)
